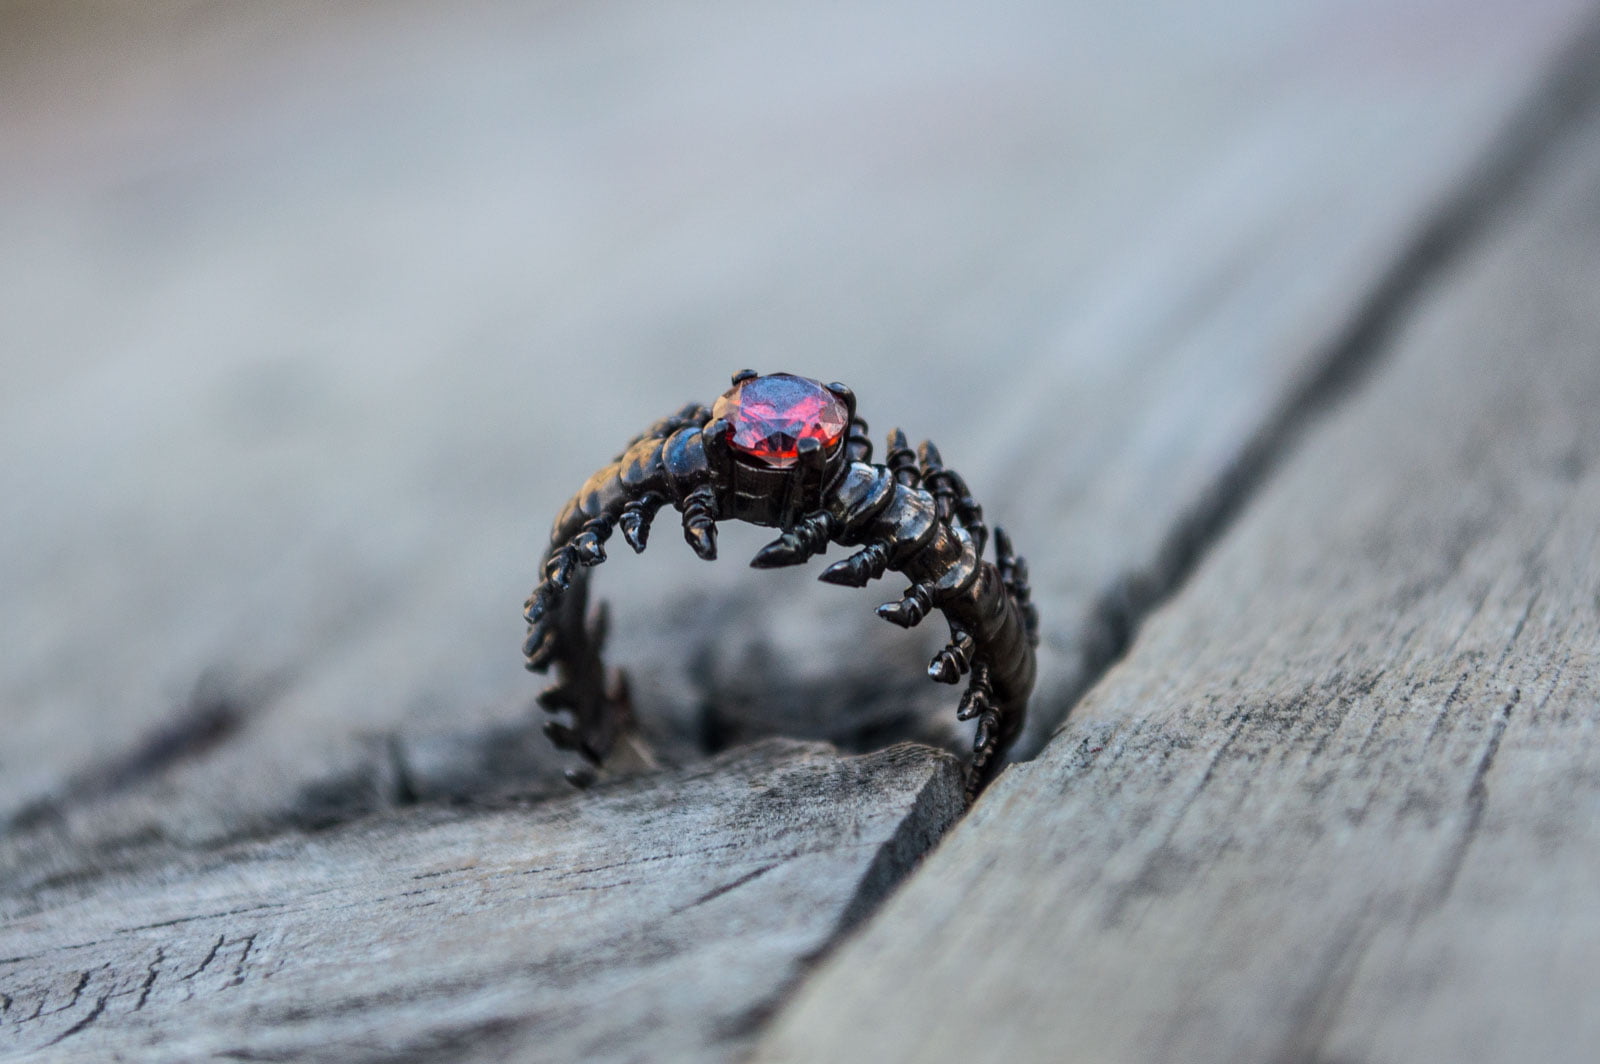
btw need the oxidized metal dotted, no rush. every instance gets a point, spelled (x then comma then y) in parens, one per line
(788, 452)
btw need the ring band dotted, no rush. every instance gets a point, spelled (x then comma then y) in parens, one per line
(789, 452)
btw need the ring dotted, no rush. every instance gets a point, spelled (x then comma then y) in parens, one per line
(789, 452)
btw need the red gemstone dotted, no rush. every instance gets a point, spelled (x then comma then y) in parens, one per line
(770, 416)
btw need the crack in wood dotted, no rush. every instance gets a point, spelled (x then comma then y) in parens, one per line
(1477, 801)
(1448, 705)
(1327, 994)
(150, 978)
(209, 957)
(174, 922)
(244, 958)
(932, 813)
(214, 716)
(1146, 880)
(1319, 1008)
(72, 1002)
(1454, 229)
(1354, 693)
(448, 872)
(397, 780)
(632, 862)
(90, 1017)
(77, 992)
(1462, 932)
(1445, 708)
(717, 892)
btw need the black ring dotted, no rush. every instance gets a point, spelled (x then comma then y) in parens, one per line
(789, 452)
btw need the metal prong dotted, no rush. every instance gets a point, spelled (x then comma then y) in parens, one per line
(744, 375)
(846, 396)
(714, 435)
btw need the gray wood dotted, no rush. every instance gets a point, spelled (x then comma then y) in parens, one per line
(1340, 801)
(657, 919)
(322, 315)
(325, 313)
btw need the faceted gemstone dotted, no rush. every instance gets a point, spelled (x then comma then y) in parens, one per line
(770, 415)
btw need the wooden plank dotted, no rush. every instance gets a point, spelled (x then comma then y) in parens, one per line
(1341, 801)
(336, 307)
(679, 905)
(339, 308)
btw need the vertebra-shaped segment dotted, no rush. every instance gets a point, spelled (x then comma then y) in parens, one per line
(978, 701)
(952, 495)
(986, 610)
(895, 522)
(1014, 574)
(942, 569)
(910, 514)
(977, 698)
(953, 662)
(700, 521)
(860, 568)
(935, 535)
(636, 517)
(564, 692)
(857, 444)
(912, 607)
(988, 635)
(691, 414)
(666, 464)
(901, 460)
(596, 698)
(655, 468)
(590, 543)
(688, 466)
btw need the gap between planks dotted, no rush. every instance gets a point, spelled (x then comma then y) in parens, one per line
(1554, 108)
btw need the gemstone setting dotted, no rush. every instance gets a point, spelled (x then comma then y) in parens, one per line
(769, 416)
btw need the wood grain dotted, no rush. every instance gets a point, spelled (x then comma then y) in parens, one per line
(323, 315)
(657, 919)
(1341, 802)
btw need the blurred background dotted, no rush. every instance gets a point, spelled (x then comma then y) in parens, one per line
(312, 316)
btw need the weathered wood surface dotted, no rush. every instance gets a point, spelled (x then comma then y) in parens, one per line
(1341, 802)
(325, 316)
(329, 311)
(649, 920)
